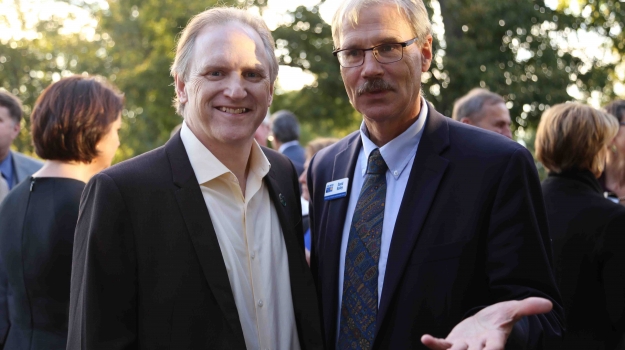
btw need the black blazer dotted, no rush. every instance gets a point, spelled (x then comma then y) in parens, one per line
(588, 234)
(148, 271)
(37, 222)
(471, 231)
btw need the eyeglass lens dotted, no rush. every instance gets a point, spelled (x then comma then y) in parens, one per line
(385, 53)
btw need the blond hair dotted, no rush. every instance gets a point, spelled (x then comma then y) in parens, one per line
(413, 11)
(213, 17)
(574, 136)
(318, 144)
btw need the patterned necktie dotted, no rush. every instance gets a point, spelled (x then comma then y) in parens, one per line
(359, 306)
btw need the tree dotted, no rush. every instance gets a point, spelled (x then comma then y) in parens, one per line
(512, 47)
(133, 46)
(323, 108)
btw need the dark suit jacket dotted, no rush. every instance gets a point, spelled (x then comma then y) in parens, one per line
(24, 166)
(588, 234)
(37, 223)
(297, 155)
(148, 272)
(471, 231)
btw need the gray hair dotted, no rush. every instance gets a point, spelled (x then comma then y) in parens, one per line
(284, 126)
(414, 13)
(471, 104)
(219, 16)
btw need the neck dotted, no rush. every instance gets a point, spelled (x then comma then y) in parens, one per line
(4, 153)
(71, 170)
(235, 158)
(383, 131)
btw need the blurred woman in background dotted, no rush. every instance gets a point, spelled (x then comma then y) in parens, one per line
(613, 178)
(74, 125)
(312, 148)
(588, 230)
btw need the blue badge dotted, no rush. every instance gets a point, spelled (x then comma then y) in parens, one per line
(336, 189)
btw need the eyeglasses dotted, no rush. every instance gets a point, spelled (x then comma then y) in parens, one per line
(383, 53)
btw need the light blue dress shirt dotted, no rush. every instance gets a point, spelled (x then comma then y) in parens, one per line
(6, 169)
(399, 156)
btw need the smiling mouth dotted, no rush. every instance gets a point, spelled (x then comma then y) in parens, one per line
(233, 110)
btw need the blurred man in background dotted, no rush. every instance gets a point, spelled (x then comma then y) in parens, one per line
(484, 109)
(285, 129)
(14, 166)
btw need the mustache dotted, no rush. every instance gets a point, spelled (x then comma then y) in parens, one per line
(373, 86)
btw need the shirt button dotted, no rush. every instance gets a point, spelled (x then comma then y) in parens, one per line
(395, 172)
(260, 303)
(253, 255)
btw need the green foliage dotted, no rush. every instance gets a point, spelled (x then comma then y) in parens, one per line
(323, 108)
(29, 66)
(133, 47)
(510, 47)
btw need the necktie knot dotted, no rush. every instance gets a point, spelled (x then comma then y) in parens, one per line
(376, 164)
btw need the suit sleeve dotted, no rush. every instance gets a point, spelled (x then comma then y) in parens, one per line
(519, 255)
(103, 301)
(4, 305)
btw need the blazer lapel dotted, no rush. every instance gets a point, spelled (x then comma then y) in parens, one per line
(426, 173)
(344, 165)
(201, 231)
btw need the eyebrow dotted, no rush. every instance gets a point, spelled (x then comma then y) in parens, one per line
(385, 40)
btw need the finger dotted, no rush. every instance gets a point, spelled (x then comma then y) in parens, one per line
(531, 306)
(435, 343)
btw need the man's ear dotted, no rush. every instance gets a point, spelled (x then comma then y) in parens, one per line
(466, 121)
(180, 89)
(270, 94)
(17, 126)
(426, 54)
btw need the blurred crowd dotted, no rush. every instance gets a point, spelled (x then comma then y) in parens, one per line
(74, 128)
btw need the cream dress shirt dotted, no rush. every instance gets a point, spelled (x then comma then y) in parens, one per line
(252, 245)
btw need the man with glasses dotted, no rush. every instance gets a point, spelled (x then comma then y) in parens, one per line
(425, 232)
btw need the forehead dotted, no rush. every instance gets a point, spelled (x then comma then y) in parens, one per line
(231, 43)
(4, 113)
(376, 23)
(496, 111)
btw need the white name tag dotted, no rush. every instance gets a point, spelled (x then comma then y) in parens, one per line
(336, 189)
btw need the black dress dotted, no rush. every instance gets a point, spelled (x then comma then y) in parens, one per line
(588, 233)
(37, 222)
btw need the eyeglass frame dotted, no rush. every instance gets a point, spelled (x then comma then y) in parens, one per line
(373, 50)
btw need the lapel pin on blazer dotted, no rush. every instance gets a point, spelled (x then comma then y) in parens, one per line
(282, 200)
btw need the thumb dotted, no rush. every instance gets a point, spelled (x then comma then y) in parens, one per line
(531, 306)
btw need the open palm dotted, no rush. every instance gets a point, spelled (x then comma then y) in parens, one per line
(488, 329)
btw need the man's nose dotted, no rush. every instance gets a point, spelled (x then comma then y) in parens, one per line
(371, 67)
(235, 88)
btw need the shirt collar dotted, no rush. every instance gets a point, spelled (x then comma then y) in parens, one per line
(6, 166)
(207, 167)
(287, 145)
(398, 152)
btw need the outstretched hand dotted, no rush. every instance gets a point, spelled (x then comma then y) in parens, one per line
(488, 329)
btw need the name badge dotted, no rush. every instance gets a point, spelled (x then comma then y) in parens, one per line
(336, 189)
